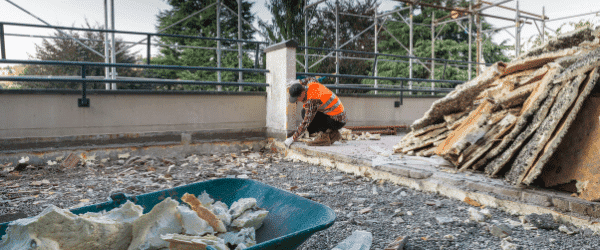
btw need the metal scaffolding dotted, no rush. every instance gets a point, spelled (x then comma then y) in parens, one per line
(473, 15)
(464, 17)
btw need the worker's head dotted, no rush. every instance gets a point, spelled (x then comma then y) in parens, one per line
(297, 92)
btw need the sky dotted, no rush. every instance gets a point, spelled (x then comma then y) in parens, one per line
(140, 15)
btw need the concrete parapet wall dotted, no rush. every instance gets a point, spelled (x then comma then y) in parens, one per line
(46, 119)
(369, 110)
(56, 114)
(364, 110)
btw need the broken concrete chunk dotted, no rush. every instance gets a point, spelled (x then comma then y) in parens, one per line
(375, 137)
(250, 219)
(192, 224)
(542, 221)
(162, 219)
(187, 242)
(222, 212)
(500, 230)
(68, 231)
(240, 206)
(205, 199)
(127, 213)
(245, 237)
(477, 216)
(398, 243)
(204, 213)
(359, 240)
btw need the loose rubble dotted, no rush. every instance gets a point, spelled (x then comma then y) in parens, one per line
(167, 225)
(511, 119)
(394, 211)
(347, 135)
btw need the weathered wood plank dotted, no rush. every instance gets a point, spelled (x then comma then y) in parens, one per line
(579, 155)
(530, 108)
(459, 99)
(535, 62)
(524, 160)
(482, 146)
(468, 133)
(562, 130)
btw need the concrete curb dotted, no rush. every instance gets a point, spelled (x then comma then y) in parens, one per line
(461, 186)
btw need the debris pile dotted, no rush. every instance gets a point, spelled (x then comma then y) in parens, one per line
(347, 135)
(168, 225)
(511, 119)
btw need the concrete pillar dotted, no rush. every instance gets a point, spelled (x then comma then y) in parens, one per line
(281, 63)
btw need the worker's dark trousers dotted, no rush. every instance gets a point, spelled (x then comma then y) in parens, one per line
(322, 122)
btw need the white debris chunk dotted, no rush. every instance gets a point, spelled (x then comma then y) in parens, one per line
(24, 160)
(222, 212)
(244, 238)
(192, 224)
(194, 242)
(476, 216)
(123, 156)
(241, 247)
(205, 199)
(128, 213)
(250, 219)
(375, 137)
(56, 229)
(162, 219)
(241, 205)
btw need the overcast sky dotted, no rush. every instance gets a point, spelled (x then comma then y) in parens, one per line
(140, 15)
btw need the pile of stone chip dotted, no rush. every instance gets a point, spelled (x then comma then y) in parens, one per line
(169, 225)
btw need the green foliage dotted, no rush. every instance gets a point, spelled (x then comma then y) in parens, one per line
(204, 24)
(63, 48)
(287, 22)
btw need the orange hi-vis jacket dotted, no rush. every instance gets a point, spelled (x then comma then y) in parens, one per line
(331, 103)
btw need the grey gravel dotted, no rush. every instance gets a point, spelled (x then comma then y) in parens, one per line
(395, 211)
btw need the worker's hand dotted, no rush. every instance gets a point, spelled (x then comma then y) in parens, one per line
(288, 141)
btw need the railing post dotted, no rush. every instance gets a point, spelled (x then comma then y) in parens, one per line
(148, 50)
(2, 48)
(401, 93)
(83, 101)
(281, 63)
(444, 73)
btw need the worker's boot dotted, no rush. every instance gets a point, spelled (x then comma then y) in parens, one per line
(322, 139)
(335, 136)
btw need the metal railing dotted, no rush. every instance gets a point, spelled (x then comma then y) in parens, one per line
(85, 102)
(148, 34)
(394, 88)
(257, 52)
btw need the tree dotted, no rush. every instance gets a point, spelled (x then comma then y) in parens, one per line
(350, 27)
(452, 44)
(63, 48)
(288, 23)
(185, 51)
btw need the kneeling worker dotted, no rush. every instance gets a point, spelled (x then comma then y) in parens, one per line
(323, 112)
